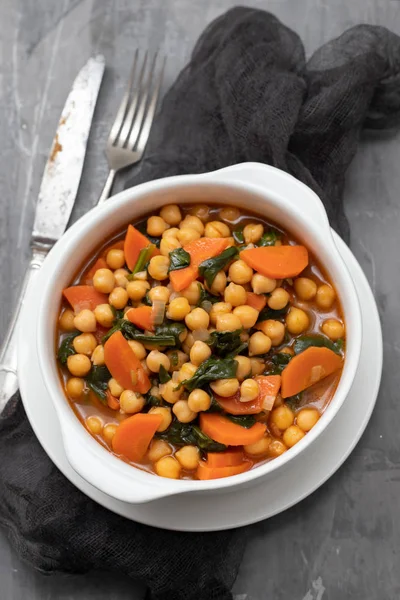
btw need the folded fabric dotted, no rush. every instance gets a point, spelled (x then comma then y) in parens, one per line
(246, 95)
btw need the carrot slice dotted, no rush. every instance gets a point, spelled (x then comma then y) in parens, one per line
(307, 368)
(141, 317)
(199, 251)
(99, 264)
(277, 262)
(222, 430)
(112, 401)
(84, 296)
(123, 364)
(134, 435)
(205, 472)
(133, 244)
(233, 406)
(256, 301)
(268, 386)
(229, 458)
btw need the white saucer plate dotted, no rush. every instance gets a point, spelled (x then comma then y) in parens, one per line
(241, 506)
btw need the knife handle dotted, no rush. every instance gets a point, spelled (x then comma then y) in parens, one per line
(8, 349)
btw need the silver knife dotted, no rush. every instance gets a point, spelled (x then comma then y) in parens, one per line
(57, 195)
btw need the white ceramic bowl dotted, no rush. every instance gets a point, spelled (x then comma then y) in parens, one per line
(266, 191)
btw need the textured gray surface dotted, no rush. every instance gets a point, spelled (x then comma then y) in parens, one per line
(343, 542)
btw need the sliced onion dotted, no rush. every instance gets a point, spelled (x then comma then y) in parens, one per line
(175, 376)
(317, 373)
(268, 402)
(200, 335)
(206, 305)
(158, 312)
(174, 295)
(140, 275)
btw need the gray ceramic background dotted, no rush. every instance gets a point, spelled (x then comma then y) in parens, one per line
(342, 542)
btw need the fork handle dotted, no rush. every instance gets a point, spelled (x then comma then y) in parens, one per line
(105, 194)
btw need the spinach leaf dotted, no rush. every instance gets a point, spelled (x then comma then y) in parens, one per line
(293, 402)
(181, 434)
(118, 314)
(142, 227)
(130, 332)
(226, 343)
(212, 266)
(238, 235)
(306, 341)
(171, 329)
(173, 358)
(210, 370)
(246, 421)
(281, 360)
(153, 400)
(269, 238)
(206, 297)
(163, 375)
(142, 261)
(146, 300)
(178, 259)
(97, 381)
(66, 348)
(269, 313)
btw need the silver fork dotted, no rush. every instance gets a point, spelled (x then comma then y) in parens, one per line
(131, 128)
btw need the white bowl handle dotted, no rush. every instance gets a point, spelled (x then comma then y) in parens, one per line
(279, 183)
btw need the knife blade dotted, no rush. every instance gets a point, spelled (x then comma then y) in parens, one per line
(64, 166)
(57, 195)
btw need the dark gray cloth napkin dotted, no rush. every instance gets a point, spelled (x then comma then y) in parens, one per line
(247, 95)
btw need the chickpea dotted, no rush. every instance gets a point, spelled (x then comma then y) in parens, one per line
(292, 435)
(333, 328)
(282, 417)
(168, 467)
(244, 367)
(159, 292)
(257, 366)
(192, 292)
(193, 222)
(199, 400)
(182, 411)
(235, 294)
(137, 290)
(131, 402)
(305, 288)
(187, 371)
(109, 431)
(188, 457)
(197, 319)
(276, 448)
(199, 352)
(121, 278)
(228, 322)
(85, 321)
(94, 425)
(252, 233)
(84, 343)
(171, 214)
(307, 418)
(278, 299)
(188, 343)
(225, 387)
(172, 232)
(66, 320)
(262, 285)
(98, 355)
(325, 296)
(158, 267)
(168, 244)
(158, 449)
(249, 390)
(115, 259)
(138, 349)
(240, 272)
(118, 298)
(156, 226)
(229, 213)
(216, 229)
(297, 320)
(165, 412)
(104, 281)
(155, 359)
(75, 387)
(178, 309)
(104, 315)
(177, 358)
(200, 210)
(168, 392)
(275, 330)
(259, 448)
(79, 365)
(259, 343)
(219, 308)
(219, 284)
(115, 388)
(247, 315)
(187, 235)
